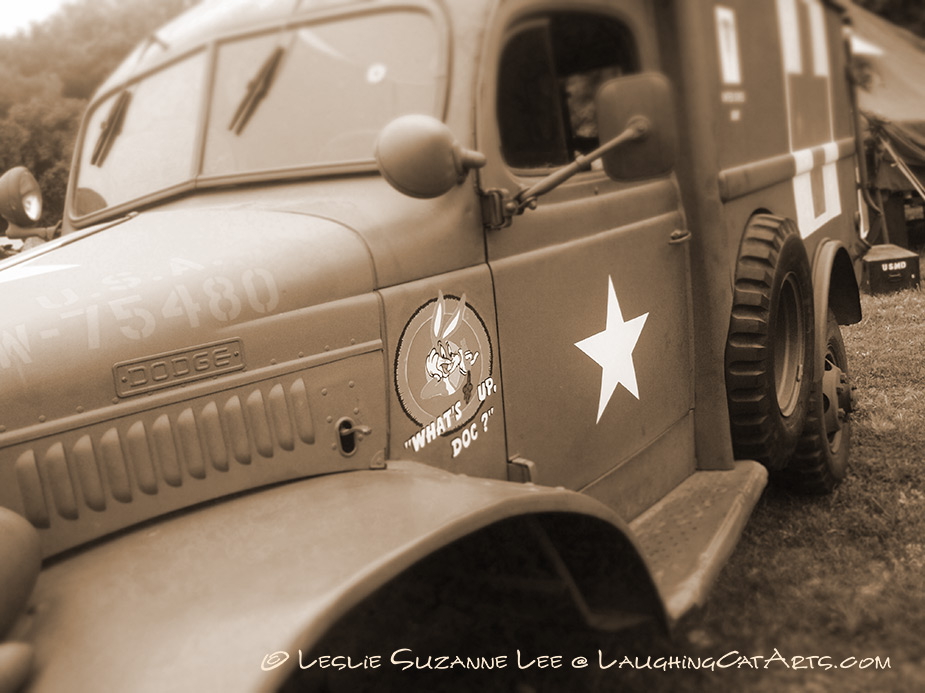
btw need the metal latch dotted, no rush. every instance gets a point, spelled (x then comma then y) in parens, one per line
(349, 434)
(679, 236)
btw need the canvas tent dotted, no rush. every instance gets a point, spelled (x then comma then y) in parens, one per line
(889, 64)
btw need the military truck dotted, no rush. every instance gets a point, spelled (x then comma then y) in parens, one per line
(344, 285)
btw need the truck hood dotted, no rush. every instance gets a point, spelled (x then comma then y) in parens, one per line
(159, 282)
(181, 356)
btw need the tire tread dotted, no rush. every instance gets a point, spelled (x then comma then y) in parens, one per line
(753, 410)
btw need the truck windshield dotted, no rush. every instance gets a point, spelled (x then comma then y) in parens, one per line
(303, 96)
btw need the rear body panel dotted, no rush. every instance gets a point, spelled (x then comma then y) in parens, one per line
(765, 128)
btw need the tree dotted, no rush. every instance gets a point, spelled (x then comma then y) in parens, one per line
(49, 74)
(39, 134)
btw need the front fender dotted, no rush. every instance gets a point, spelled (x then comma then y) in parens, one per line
(196, 601)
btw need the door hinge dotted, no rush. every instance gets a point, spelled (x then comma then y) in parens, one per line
(498, 208)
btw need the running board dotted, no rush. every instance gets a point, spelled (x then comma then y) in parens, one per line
(688, 536)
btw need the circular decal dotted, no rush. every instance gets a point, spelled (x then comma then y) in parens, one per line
(443, 364)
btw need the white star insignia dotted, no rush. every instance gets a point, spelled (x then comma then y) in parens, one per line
(613, 348)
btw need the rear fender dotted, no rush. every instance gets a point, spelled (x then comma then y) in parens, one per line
(835, 287)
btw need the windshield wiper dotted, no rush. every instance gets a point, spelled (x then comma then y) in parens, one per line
(112, 126)
(257, 89)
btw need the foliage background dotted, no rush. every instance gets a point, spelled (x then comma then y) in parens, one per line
(48, 74)
(906, 13)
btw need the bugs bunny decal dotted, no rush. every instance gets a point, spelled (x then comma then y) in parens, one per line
(448, 365)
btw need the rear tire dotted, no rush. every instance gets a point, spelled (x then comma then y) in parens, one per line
(769, 352)
(821, 459)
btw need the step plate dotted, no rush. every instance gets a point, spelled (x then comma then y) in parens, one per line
(688, 536)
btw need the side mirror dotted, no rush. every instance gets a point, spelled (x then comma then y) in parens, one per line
(618, 101)
(419, 156)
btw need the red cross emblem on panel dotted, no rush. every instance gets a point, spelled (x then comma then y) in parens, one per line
(807, 72)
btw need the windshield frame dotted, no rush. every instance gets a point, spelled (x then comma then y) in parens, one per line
(211, 45)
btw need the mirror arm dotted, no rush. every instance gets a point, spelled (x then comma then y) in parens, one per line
(466, 160)
(637, 128)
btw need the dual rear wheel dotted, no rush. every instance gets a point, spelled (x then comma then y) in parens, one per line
(788, 401)
(820, 461)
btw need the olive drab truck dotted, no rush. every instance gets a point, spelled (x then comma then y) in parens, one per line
(344, 285)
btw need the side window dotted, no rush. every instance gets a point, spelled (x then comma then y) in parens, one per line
(551, 67)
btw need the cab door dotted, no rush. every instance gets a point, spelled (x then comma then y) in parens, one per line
(592, 286)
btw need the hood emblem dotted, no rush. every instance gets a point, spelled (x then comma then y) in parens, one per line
(177, 367)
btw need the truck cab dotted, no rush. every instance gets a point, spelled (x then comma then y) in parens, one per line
(342, 284)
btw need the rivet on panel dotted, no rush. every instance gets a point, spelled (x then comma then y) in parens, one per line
(330, 419)
(352, 341)
(351, 384)
(324, 392)
(356, 410)
(272, 362)
(334, 446)
(327, 347)
(80, 410)
(301, 354)
(42, 418)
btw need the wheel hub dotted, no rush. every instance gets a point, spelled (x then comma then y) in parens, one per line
(788, 347)
(837, 397)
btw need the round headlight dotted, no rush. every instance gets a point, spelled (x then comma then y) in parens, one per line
(20, 197)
